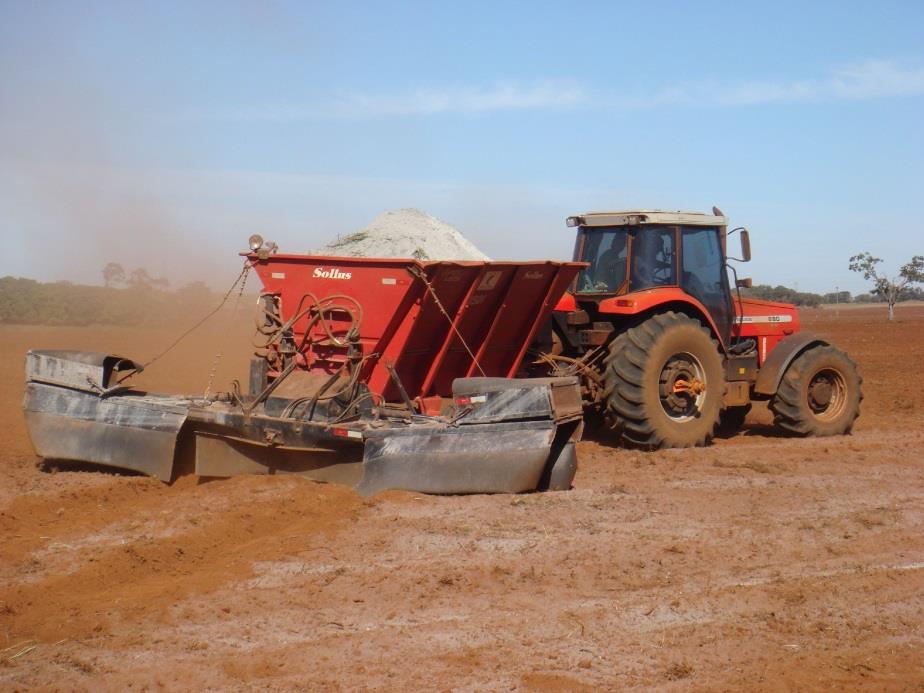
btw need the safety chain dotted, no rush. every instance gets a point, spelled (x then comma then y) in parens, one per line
(242, 275)
(237, 301)
(423, 277)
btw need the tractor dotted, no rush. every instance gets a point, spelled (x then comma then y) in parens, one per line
(668, 350)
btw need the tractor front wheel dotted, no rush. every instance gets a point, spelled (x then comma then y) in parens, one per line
(664, 383)
(819, 394)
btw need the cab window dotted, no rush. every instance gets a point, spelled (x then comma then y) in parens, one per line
(653, 258)
(606, 249)
(704, 273)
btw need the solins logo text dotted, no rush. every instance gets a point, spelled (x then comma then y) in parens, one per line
(332, 273)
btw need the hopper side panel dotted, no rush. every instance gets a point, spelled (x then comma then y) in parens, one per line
(450, 282)
(480, 312)
(451, 335)
(523, 301)
(561, 278)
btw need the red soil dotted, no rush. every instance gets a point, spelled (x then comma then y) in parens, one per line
(760, 563)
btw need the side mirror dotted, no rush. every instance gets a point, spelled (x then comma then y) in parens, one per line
(744, 283)
(745, 246)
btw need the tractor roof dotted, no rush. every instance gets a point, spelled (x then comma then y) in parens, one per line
(647, 216)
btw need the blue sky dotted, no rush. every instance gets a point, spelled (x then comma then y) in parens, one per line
(163, 134)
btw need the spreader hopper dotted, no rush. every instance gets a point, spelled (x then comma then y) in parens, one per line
(376, 373)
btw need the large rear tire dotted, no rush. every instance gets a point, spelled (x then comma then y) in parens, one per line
(819, 394)
(664, 383)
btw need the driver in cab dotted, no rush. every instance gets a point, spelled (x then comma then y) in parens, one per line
(610, 268)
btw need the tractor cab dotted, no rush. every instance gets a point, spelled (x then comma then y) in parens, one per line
(682, 253)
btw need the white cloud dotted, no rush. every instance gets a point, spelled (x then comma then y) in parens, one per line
(504, 97)
(877, 79)
(871, 79)
(424, 102)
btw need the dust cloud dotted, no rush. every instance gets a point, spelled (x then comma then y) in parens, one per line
(79, 186)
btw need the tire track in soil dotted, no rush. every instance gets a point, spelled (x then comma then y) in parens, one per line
(143, 573)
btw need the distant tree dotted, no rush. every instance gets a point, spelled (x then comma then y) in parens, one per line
(113, 273)
(837, 297)
(195, 292)
(28, 302)
(139, 278)
(783, 294)
(890, 289)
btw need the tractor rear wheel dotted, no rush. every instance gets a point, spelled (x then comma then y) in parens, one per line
(664, 383)
(819, 394)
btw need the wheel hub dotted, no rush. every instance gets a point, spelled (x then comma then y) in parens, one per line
(693, 387)
(820, 391)
(827, 394)
(681, 386)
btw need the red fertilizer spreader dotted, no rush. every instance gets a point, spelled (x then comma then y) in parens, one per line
(378, 373)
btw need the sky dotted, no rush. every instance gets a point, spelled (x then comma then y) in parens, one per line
(162, 134)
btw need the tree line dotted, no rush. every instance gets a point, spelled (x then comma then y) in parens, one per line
(137, 298)
(785, 294)
(142, 302)
(888, 290)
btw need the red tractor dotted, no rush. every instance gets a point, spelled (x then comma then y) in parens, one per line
(668, 350)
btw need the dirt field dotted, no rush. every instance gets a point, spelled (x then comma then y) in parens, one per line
(761, 563)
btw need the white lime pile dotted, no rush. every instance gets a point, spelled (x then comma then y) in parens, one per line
(405, 233)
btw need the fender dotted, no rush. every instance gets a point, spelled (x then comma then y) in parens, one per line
(783, 354)
(668, 297)
(566, 303)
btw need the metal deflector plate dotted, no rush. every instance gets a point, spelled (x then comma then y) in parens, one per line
(131, 432)
(220, 456)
